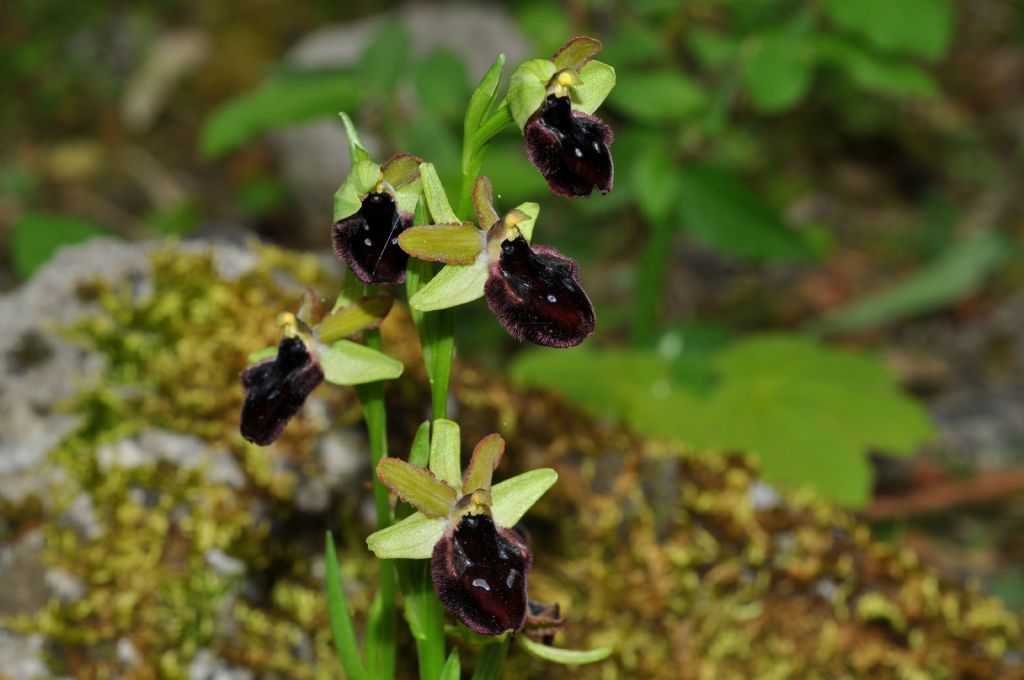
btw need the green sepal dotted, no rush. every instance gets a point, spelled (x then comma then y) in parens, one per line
(449, 243)
(265, 353)
(411, 539)
(349, 196)
(596, 80)
(486, 456)
(512, 498)
(445, 460)
(479, 104)
(348, 363)
(527, 88)
(369, 312)
(568, 657)
(419, 452)
(437, 200)
(577, 52)
(455, 284)
(356, 151)
(402, 172)
(417, 486)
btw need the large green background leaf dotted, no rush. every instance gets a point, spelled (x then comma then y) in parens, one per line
(811, 414)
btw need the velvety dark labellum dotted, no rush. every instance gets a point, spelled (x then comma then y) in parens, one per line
(275, 390)
(536, 294)
(570, 148)
(480, 573)
(368, 240)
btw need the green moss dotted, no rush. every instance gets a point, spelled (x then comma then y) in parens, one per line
(659, 553)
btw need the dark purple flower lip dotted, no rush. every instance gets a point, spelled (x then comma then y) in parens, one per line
(275, 390)
(368, 240)
(480, 572)
(569, 148)
(536, 294)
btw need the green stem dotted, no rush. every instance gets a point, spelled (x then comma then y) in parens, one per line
(383, 622)
(488, 667)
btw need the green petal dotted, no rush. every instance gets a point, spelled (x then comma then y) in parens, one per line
(349, 196)
(368, 312)
(512, 498)
(265, 353)
(527, 88)
(437, 199)
(445, 460)
(411, 539)
(417, 486)
(485, 459)
(526, 226)
(483, 202)
(356, 150)
(348, 363)
(455, 284)
(576, 52)
(449, 243)
(598, 79)
(568, 657)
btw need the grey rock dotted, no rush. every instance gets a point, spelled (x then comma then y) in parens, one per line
(314, 157)
(23, 576)
(206, 665)
(21, 657)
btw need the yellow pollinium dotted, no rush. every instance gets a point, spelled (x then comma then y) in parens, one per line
(561, 82)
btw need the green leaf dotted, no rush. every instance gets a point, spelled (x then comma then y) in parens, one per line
(658, 96)
(442, 83)
(922, 27)
(480, 105)
(348, 198)
(713, 49)
(356, 151)
(655, 182)
(345, 644)
(576, 53)
(777, 70)
(724, 214)
(511, 499)
(596, 81)
(450, 243)
(411, 539)
(874, 73)
(445, 459)
(348, 363)
(635, 44)
(368, 312)
(417, 486)
(452, 286)
(810, 413)
(527, 88)
(956, 274)
(285, 99)
(37, 236)
(385, 57)
(452, 669)
(437, 200)
(567, 657)
(486, 456)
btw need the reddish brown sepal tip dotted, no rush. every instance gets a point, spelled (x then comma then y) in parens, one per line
(275, 390)
(480, 573)
(536, 294)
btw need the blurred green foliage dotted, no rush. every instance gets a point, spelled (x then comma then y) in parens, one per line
(37, 236)
(810, 413)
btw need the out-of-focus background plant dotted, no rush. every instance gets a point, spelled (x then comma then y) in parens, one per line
(812, 252)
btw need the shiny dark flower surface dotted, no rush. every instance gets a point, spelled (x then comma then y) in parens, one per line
(536, 294)
(570, 148)
(368, 240)
(275, 390)
(480, 573)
